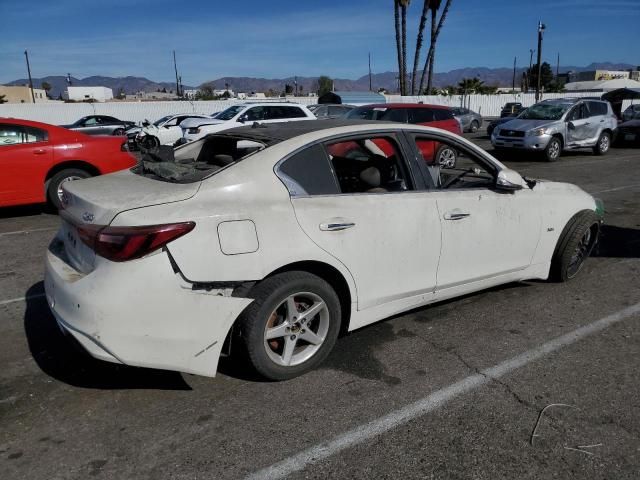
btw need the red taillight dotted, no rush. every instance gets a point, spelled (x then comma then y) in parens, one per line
(120, 244)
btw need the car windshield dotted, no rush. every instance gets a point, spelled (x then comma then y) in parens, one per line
(80, 122)
(197, 160)
(159, 122)
(230, 112)
(545, 111)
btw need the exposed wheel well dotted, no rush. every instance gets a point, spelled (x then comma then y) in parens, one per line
(333, 277)
(559, 137)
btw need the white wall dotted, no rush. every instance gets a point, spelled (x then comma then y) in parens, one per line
(100, 94)
(65, 113)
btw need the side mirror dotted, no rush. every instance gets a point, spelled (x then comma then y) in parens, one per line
(242, 118)
(509, 181)
(571, 126)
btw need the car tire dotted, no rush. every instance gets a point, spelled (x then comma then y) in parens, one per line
(55, 183)
(574, 246)
(603, 145)
(553, 150)
(446, 157)
(474, 126)
(118, 132)
(150, 142)
(277, 343)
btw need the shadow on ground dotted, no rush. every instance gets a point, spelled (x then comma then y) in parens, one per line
(618, 242)
(25, 211)
(61, 358)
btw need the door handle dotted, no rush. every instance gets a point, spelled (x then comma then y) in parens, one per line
(456, 215)
(587, 123)
(336, 227)
(39, 151)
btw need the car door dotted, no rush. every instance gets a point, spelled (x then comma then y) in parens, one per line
(579, 126)
(370, 211)
(25, 156)
(598, 112)
(486, 233)
(91, 126)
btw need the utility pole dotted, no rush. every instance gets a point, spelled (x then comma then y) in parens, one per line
(175, 67)
(295, 82)
(558, 67)
(33, 97)
(530, 67)
(370, 71)
(541, 28)
(513, 83)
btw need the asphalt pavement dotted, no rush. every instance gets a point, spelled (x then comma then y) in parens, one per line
(531, 380)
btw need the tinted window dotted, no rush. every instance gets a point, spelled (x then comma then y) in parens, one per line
(421, 115)
(109, 120)
(369, 165)
(442, 114)
(337, 111)
(254, 114)
(308, 173)
(91, 121)
(598, 108)
(379, 113)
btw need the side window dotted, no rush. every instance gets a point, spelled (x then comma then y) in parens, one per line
(577, 113)
(469, 170)
(336, 111)
(35, 135)
(254, 114)
(308, 173)
(293, 112)
(91, 121)
(173, 122)
(395, 115)
(371, 164)
(597, 108)
(11, 134)
(421, 115)
(442, 114)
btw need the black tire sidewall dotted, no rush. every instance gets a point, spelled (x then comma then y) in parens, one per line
(597, 149)
(546, 150)
(473, 128)
(267, 295)
(567, 243)
(55, 181)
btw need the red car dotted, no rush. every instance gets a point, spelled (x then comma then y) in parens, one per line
(438, 116)
(36, 159)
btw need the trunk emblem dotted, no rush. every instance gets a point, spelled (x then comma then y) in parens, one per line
(88, 217)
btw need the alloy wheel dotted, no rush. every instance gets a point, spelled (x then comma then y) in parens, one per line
(447, 158)
(554, 149)
(604, 143)
(580, 254)
(296, 329)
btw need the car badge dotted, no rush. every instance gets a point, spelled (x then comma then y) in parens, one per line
(88, 217)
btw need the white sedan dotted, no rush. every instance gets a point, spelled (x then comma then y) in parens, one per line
(270, 241)
(249, 112)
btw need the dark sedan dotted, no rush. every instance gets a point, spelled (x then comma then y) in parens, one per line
(100, 125)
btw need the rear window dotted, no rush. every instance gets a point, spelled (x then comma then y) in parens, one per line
(198, 160)
(421, 115)
(279, 112)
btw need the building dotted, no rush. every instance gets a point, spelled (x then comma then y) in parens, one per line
(601, 85)
(599, 75)
(84, 94)
(22, 94)
(150, 96)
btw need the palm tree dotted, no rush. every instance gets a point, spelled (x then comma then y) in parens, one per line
(396, 11)
(403, 11)
(435, 31)
(416, 58)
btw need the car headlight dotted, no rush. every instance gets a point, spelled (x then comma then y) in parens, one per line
(536, 132)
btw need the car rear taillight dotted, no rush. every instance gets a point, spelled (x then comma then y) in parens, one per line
(120, 244)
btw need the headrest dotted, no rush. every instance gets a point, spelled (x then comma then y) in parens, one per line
(371, 176)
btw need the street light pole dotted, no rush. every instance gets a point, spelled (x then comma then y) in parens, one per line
(33, 97)
(541, 28)
(513, 83)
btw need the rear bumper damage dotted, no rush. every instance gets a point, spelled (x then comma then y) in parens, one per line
(141, 313)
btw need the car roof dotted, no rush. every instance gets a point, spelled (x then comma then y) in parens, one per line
(405, 105)
(26, 123)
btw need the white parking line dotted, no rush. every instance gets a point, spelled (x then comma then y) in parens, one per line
(617, 188)
(21, 299)
(432, 402)
(21, 232)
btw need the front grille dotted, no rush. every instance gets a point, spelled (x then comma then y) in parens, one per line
(511, 133)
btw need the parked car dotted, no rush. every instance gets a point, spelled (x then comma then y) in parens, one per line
(418, 114)
(511, 109)
(100, 125)
(324, 111)
(164, 131)
(264, 242)
(629, 132)
(470, 121)
(499, 121)
(551, 126)
(249, 112)
(37, 159)
(632, 112)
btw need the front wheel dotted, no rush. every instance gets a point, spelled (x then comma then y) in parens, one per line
(603, 145)
(54, 187)
(475, 125)
(446, 157)
(149, 142)
(574, 246)
(291, 326)
(553, 150)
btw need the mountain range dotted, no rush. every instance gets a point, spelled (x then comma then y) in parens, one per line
(490, 76)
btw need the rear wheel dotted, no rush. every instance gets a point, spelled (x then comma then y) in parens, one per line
(553, 150)
(54, 187)
(150, 142)
(574, 246)
(446, 157)
(291, 326)
(475, 125)
(603, 145)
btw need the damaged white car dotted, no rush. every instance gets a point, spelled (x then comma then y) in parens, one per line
(269, 241)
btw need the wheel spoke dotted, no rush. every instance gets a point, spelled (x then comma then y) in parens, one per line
(312, 311)
(289, 347)
(311, 337)
(292, 309)
(277, 331)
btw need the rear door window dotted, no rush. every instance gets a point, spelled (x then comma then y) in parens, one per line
(597, 108)
(421, 115)
(18, 134)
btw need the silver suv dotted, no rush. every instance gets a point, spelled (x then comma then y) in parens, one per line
(552, 126)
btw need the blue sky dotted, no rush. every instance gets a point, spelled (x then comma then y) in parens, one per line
(282, 38)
